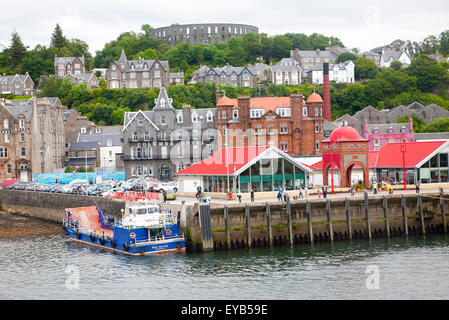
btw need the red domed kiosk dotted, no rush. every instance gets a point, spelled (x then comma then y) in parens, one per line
(343, 149)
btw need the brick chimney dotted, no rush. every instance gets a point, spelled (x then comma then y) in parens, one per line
(326, 93)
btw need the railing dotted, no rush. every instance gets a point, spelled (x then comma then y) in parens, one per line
(134, 196)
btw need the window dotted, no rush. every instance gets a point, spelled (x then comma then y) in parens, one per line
(317, 128)
(8, 169)
(304, 111)
(283, 112)
(22, 123)
(284, 146)
(223, 115)
(194, 117)
(163, 120)
(6, 137)
(270, 129)
(179, 117)
(257, 113)
(210, 117)
(150, 152)
(257, 129)
(164, 152)
(138, 153)
(163, 135)
(147, 136)
(134, 136)
(317, 147)
(180, 151)
(157, 74)
(284, 128)
(316, 112)
(5, 124)
(235, 114)
(144, 152)
(22, 137)
(23, 152)
(196, 151)
(180, 135)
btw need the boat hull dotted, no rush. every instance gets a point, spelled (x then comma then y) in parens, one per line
(164, 246)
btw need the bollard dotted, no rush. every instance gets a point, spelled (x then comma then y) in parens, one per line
(329, 220)
(289, 213)
(421, 216)
(309, 220)
(387, 222)
(368, 222)
(443, 210)
(270, 231)
(228, 229)
(348, 219)
(206, 228)
(248, 226)
(404, 215)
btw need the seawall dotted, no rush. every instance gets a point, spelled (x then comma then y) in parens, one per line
(50, 206)
(244, 225)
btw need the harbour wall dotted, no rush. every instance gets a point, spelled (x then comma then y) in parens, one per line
(50, 206)
(227, 227)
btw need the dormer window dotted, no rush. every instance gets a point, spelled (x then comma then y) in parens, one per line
(210, 117)
(376, 131)
(390, 130)
(194, 117)
(235, 114)
(162, 103)
(179, 118)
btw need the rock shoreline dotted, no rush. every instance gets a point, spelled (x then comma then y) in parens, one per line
(14, 225)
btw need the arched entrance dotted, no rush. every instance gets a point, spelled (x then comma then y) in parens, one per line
(363, 177)
(345, 149)
(165, 172)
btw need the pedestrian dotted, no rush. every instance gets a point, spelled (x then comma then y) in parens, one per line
(300, 193)
(307, 191)
(324, 192)
(285, 195)
(375, 188)
(352, 189)
(252, 195)
(239, 196)
(165, 196)
(319, 193)
(280, 194)
(417, 187)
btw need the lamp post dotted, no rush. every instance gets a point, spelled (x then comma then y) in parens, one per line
(403, 150)
(332, 168)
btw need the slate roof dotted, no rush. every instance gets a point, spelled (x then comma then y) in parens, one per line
(383, 128)
(17, 110)
(82, 146)
(9, 79)
(316, 53)
(102, 139)
(227, 70)
(66, 60)
(286, 64)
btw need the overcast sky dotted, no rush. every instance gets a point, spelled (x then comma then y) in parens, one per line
(361, 24)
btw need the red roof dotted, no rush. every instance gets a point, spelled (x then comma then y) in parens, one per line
(390, 155)
(267, 103)
(216, 163)
(344, 133)
(314, 97)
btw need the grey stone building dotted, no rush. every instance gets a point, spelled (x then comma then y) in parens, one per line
(309, 59)
(161, 142)
(140, 73)
(205, 33)
(286, 71)
(32, 137)
(373, 116)
(236, 76)
(69, 65)
(19, 84)
(89, 79)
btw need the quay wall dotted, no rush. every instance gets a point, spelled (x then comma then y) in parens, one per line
(50, 206)
(367, 219)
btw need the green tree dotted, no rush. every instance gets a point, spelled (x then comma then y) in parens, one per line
(58, 40)
(396, 65)
(428, 72)
(345, 56)
(68, 169)
(418, 122)
(444, 42)
(17, 50)
(365, 68)
(438, 125)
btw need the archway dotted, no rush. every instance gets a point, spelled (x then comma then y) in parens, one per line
(347, 175)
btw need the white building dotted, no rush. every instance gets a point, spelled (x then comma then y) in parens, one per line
(387, 57)
(340, 73)
(109, 144)
(286, 71)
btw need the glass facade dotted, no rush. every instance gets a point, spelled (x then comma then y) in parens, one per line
(435, 170)
(263, 176)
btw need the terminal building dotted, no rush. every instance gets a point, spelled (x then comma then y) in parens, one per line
(263, 169)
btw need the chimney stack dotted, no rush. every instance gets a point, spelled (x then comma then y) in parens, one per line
(326, 93)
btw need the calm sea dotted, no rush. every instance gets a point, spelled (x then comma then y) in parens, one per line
(53, 267)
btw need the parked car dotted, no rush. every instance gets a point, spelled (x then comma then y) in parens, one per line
(169, 187)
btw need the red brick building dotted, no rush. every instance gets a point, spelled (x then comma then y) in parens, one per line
(289, 123)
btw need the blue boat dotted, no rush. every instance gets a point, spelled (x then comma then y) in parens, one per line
(142, 229)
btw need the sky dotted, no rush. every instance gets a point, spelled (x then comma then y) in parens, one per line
(358, 24)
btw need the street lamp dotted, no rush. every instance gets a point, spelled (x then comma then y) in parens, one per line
(403, 150)
(332, 167)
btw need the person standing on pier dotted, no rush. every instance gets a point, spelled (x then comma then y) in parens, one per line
(252, 195)
(306, 191)
(352, 189)
(239, 195)
(417, 187)
(324, 192)
(300, 193)
(280, 194)
(285, 195)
